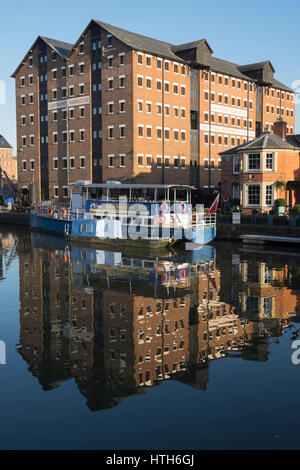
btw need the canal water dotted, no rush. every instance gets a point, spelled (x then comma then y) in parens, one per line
(117, 350)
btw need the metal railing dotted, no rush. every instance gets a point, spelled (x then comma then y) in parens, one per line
(196, 220)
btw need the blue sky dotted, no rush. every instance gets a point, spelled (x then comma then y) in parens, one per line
(238, 31)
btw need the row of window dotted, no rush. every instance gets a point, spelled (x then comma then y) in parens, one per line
(71, 93)
(271, 109)
(148, 82)
(166, 64)
(71, 136)
(147, 161)
(272, 92)
(121, 60)
(255, 162)
(63, 73)
(211, 165)
(234, 121)
(140, 104)
(224, 140)
(225, 80)
(159, 133)
(110, 82)
(224, 99)
(64, 161)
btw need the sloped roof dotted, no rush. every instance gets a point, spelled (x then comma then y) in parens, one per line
(294, 140)
(62, 48)
(256, 66)
(190, 45)
(3, 143)
(264, 141)
(140, 42)
(227, 68)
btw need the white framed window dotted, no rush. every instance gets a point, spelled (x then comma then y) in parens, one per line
(140, 130)
(122, 160)
(236, 165)
(81, 88)
(121, 58)
(121, 81)
(110, 107)
(253, 195)
(55, 191)
(149, 160)
(140, 58)
(110, 132)
(140, 160)
(72, 163)
(270, 161)
(254, 162)
(72, 135)
(148, 60)
(81, 135)
(140, 81)
(269, 194)
(110, 161)
(82, 162)
(122, 106)
(122, 131)
(140, 106)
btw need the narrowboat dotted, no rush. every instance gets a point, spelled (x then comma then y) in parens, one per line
(132, 215)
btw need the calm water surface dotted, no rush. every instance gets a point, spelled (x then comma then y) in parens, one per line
(111, 350)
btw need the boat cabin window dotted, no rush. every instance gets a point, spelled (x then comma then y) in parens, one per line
(181, 195)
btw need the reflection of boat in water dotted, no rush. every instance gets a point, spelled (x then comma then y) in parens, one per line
(147, 216)
(173, 269)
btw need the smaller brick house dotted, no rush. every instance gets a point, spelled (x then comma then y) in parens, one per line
(263, 170)
(8, 162)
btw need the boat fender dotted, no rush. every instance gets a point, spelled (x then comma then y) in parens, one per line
(164, 207)
(161, 219)
(160, 268)
(182, 274)
(182, 206)
(62, 212)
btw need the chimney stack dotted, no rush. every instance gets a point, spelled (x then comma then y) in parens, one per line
(280, 128)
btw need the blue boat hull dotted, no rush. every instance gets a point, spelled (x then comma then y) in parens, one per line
(41, 223)
(50, 225)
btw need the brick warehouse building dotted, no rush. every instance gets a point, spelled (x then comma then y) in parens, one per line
(118, 105)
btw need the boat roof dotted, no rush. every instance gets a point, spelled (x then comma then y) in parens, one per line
(130, 186)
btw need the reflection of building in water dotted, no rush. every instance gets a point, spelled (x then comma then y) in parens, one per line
(261, 286)
(7, 252)
(116, 337)
(56, 334)
(265, 291)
